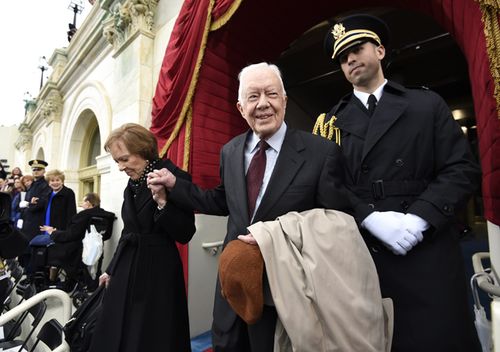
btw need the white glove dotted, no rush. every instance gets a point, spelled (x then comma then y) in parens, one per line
(23, 204)
(388, 227)
(415, 225)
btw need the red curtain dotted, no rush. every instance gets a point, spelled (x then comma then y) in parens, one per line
(463, 19)
(177, 69)
(177, 81)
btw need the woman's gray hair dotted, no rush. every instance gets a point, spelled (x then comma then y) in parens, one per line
(252, 67)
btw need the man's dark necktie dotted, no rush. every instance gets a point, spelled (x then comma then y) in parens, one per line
(372, 104)
(255, 175)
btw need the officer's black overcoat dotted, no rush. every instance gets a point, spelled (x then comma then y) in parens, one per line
(411, 156)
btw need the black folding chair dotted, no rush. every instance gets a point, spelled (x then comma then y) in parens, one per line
(51, 334)
(13, 329)
(16, 273)
(36, 312)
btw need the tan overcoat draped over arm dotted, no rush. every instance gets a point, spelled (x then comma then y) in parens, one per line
(324, 284)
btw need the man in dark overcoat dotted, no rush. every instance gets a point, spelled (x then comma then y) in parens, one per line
(34, 206)
(36, 196)
(409, 169)
(301, 172)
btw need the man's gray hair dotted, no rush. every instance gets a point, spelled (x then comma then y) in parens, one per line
(252, 67)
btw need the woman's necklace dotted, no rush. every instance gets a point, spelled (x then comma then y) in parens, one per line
(136, 184)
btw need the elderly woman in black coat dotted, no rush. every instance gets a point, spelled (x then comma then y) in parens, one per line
(145, 304)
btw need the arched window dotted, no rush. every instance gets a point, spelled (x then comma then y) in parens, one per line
(95, 147)
(40, 154)
(91, 148)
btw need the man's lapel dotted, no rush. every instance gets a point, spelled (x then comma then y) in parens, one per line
(354, 118)
(236, 167)
(388, 111)
(287, 165)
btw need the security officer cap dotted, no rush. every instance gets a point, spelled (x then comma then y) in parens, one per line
(38, 163)
(355, 30)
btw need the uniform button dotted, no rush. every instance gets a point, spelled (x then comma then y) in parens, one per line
(399, 162)
(448, 208)
(364, 168)
(404, 205)
(371, 205)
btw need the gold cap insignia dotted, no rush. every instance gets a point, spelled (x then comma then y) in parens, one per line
(338, 30)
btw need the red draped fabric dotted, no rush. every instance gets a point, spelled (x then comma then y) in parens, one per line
(194, 110)
(171, 112)
(177, 69)
(462, 18)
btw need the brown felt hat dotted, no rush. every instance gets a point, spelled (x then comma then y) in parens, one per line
(240, 273)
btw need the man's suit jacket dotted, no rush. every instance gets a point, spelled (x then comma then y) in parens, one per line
(308, 174)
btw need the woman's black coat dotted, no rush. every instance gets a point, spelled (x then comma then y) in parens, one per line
(145, 305)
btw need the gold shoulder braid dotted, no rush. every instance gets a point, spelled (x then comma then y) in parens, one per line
(327, 129)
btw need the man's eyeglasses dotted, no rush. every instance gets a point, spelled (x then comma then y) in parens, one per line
(36, 169)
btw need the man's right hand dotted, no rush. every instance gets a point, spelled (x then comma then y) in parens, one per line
(388, 227)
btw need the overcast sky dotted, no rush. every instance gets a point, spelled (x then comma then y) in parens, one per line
(30, 29)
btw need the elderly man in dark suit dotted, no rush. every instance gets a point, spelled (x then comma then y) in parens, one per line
(409, 169)
(299, 172)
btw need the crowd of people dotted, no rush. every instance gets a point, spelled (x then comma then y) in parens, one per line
(398, 164)
(44, 211)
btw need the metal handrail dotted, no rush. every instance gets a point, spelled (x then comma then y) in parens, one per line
(213, 247)
(207, 245)
(24, 306)
(482, 281)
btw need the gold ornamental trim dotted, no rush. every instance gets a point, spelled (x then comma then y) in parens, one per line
(327, 130)
(221, 21)
(490, 10)
(187, 140)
